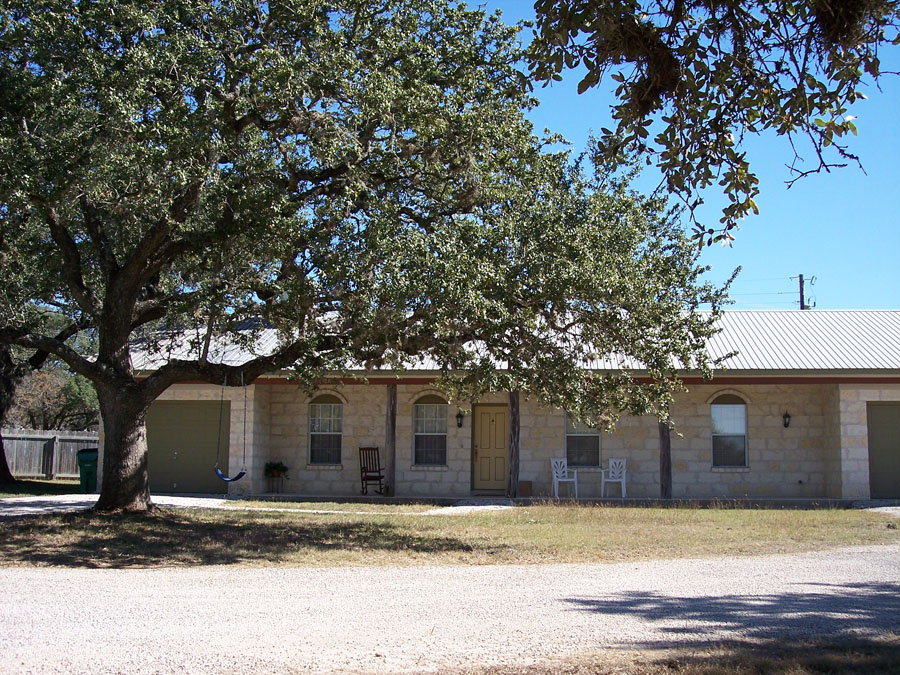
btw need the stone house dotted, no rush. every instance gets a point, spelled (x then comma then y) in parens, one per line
(808, 408)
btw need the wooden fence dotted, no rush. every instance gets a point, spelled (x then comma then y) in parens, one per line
(45, 454)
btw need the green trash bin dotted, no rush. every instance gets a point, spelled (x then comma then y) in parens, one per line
(87, 469)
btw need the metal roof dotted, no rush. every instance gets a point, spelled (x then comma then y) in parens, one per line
(765, 340)
(791, 340)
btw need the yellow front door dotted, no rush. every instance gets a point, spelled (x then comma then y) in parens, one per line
(489, 447)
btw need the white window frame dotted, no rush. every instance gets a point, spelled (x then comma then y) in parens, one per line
(732, 403)
(576, 429)
(318, 404)
(430, 401)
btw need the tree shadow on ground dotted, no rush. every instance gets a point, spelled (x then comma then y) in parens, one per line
(177, 538)
(854, 656)
(851, 610)
(24, 487)
(849, 656)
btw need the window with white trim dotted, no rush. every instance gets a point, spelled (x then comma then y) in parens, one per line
(582, 443)
(326, 425)
(728, 420)
(430, 431)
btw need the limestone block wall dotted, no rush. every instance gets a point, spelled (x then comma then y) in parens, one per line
(452, 480)
(781, 462)
(790, 462)
(824, 452)
(832, 408)
(364, 413)
(363, 426)
(258, 443)
(854, 434)
(543, 437)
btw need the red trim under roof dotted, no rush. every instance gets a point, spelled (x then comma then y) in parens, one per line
(759, 379)
(777, 379)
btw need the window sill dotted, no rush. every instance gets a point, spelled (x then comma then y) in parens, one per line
(730, 469)
(324, 467)
(429, 467)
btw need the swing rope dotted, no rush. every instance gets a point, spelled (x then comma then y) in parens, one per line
(243, 470)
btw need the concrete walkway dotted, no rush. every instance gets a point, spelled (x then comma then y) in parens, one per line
(28, 506)
(25, 506)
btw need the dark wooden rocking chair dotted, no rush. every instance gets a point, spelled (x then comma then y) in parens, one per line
(370, 470)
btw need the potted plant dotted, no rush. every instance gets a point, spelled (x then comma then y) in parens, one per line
(275, 470)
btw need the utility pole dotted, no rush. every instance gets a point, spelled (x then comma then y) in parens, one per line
(803, 303)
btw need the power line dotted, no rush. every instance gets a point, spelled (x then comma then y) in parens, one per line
(771, 293)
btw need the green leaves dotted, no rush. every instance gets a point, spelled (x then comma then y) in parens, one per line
(361, 179)
(205, 163)
(593, 276)
(712, 72)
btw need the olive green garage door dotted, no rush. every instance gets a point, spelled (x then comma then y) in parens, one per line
(884, 450)
(181, 440)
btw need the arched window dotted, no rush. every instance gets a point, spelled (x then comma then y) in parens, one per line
(326, 425)
(582, 443)
(430, 431)
(728, 417)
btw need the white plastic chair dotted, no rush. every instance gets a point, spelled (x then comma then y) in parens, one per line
(561, 475)
(614, 474)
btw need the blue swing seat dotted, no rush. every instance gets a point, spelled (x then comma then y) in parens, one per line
(226, 478)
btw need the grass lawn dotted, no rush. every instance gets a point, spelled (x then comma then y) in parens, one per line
(522, 535)
(26, 488)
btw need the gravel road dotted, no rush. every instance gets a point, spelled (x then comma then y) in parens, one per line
(429, 619)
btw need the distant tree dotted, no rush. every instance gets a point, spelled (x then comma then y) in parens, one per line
(698, 75)
(178, 175)
(52, 398)
(14, 368)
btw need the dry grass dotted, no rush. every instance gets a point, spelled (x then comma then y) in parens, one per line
(851, 657)
(338, 507)
(603, 534)
(526, 535)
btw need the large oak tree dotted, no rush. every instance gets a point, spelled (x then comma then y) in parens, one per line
(360, 178)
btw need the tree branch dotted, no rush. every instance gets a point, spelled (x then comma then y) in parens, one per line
(54, 346)
(135, 271)
(104, 249)
(39, 357)
(176, 370)
(85, 298)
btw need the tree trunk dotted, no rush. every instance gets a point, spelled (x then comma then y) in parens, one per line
(665, 461)
(390, 438)
(512, 483)
(10, 377)
(6, 477)
(125, 485)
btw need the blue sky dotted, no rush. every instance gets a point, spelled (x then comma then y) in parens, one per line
(841, 228)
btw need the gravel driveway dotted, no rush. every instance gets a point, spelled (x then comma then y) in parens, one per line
(225, 619)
